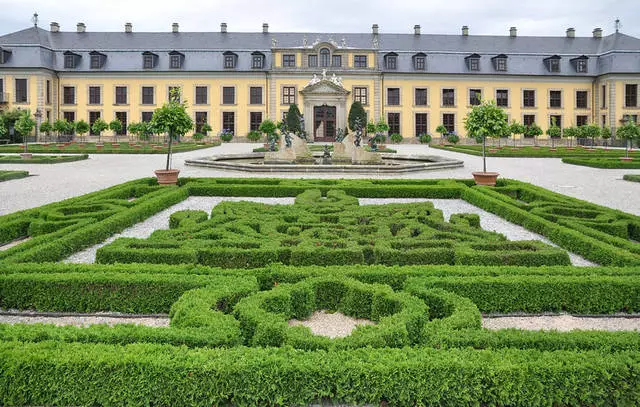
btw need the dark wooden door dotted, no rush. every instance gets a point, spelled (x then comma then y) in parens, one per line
(324, 123)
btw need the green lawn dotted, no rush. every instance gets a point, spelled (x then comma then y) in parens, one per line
(540, 152)
(90, 148)
(610, 163)
(7, 175)
(42, 159)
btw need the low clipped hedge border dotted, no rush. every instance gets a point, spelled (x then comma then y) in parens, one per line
(631, 177)
(8, 175)
(125, 148)
(603, 162)
(42, 159)
(50, 373)
(506, 150)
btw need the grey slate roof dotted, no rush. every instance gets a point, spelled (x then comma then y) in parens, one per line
(38, 48)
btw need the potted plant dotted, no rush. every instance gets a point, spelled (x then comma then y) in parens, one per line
(82, 128)
(629, 131)
(381, 128)
(269, 128)
(205, 129)
(486, 120)
(570, 133)
(61, 126)
(116, 126)
(254, 136)
(98, 127)
(46, 128)
(197, 137)
(554, 132)
(591, 131)
(396, 138)
(516, 128)
(226, 135)
(605, 133)
(443, 132)
(172, 118)
(24, 125)
(425, 138)
(533, 130)
(453, 138)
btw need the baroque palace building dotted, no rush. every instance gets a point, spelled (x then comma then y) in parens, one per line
(235, 80)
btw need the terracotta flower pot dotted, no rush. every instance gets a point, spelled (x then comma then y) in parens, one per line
(26, 156)
(115, 145)
(137, 146)
(485, 178)
(45, 144)
(626, 159)
(61, 146)
(553, 149)
(99, 147)
(493, 150)
(167, 177)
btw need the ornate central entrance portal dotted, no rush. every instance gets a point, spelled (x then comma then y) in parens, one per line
(324, 123)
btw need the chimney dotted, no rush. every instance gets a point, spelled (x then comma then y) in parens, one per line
(55, 27)
(128, 27)
(597, 33)
(513, 32)
(223, 27)
(571, 32)
(416, 29)
(465, 30)
(265, 28)
(374, 29)
(81, 27)
(175, 27)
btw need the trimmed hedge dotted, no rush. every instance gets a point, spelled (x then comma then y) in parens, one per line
(125, 148)
(603, 162)
(631, 177)
(42, 159)
(9, 175)
(528, 151)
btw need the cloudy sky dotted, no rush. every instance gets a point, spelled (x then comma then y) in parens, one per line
(540, 17)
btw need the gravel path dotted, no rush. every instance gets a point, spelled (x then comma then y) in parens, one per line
(111, 319)
(563, 323)
(160, 220)
(333, 325)
(488, 221)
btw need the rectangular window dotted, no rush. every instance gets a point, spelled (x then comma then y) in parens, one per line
(604, 120)
(201, 118)
(147, 61)
(393, 96)
(69, 116)
(68, 95)
(632, 117)
(96, 61)
(21, 90)
(255, 118)
(228, 95)
(449, 122)
(93, 116)
(360, 61)
(69, 61)
(421, 124)
(171, 90)
(289, 60)
(257, 62)
(174, 61)
(502, 97)
(603, 102)
(95, 96)
(555, 98)
(148, 95)
(229, 61)
(255, 95)
(229, 121)
(501, 64)
(631, 95)
(448, 97)
(529, 98)
(121, 95)
(48, 93)
(336, 61)
(122, 118)
(420, 97)
(581, 120)
(288, 95)
(202, 95)
(474, 64)
(528, 119)
(419, 63)
(581, 65)
(313, 61)
(554, 65)
(393, 120)
(360, 94)
(392, 62)
(475, 95)
(147, 116)
(581, 99)
(555, 118)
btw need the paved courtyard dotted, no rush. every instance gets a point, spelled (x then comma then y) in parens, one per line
(55, 182)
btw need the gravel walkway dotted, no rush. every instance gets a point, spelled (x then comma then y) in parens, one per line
(160, 220)
(563, 323)
(333, 325)
(111, 319)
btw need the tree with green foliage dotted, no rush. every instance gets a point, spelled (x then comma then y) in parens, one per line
(3, 127)
(205, 128)
(629, 131)
(293, 120)
(46, 128)
(172, 118)
(254, 136)
(9, 118)
(424, 138)
(571, 133)
(115, 126)
(442, 130)
(486, 120)
(516, 128)
(99, 126)
(381, 128)
(82, 128)
(356, 111)
(269, 128)
(605, 133)
(591, 131)
(533, 130)
(25, 125)
(62, 126)
(554, 131)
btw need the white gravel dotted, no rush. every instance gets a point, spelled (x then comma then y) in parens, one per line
(160, 220)
(488, 221)
(333, 325)
(111, 319)
(563, 323)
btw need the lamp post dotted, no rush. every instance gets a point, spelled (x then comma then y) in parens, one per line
(38, 116)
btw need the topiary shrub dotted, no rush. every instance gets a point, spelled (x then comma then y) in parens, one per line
(396, 138)
(425, 138)
(254, 135)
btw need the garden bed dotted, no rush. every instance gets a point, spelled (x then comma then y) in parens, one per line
(537, 152)
(107, 148)
(8, 175)
(610, 163)
(631, 177)
(42, 159)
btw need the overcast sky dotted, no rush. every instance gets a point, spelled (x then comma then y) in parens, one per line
(489, 17)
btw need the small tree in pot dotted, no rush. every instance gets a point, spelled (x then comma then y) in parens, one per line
(516, 128)
(269, 128)
(46, 128)
(24, 125)
(533, 130)
(571, 133)
(98, 127)
(591, 131)
(443, 132)
(82, 128)
(605, 133)
(486, 120)
(554, 132)
(629, 131)
(172, 118)
(116, 126)
(425, 138)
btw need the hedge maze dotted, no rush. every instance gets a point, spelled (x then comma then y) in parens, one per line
(231, 280)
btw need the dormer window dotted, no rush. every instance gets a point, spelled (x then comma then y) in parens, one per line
(176, 59)
(5, 54)
(337, 61)
(419, 61)
(149, 60)
(230, 59)
(553, 64)
(500, 62)
(257, 60)
(580, 64)
(71, 60)
(391, 61)
(473, 62)
(97, 59)
(324, 57)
